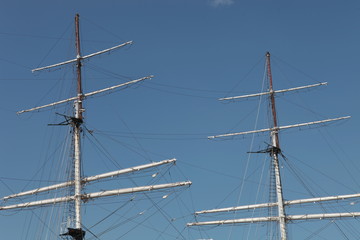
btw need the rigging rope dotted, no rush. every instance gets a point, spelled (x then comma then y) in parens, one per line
(58, 39)
(322, 205)
(249, 155)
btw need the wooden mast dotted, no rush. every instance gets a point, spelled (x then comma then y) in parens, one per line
(78, 68)
(274, 153)
(77, 131)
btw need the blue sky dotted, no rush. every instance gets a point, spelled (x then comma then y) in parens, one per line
(198, 51)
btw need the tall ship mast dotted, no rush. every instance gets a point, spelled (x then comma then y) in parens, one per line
(75, 226)
(278, 202)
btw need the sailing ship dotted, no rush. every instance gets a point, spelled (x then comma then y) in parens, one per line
(272, 219)
(73, 192)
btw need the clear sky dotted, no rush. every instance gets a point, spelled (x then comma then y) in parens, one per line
(198, 51)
